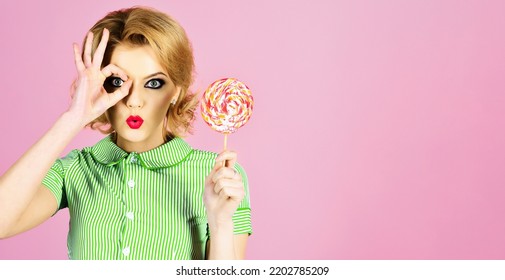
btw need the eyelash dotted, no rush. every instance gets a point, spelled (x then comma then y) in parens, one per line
(110, 81)
(160, 82)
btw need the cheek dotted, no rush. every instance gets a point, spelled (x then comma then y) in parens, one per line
(163, 103)
(161, 111)
(113, 114)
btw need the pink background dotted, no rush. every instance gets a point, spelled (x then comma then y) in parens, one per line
(378, 130)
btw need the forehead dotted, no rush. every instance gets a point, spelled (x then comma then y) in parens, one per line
(136, 61)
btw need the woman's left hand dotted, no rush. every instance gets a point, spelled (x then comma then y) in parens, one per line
(224, 189)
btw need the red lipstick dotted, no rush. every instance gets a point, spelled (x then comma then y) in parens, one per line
(134, 122)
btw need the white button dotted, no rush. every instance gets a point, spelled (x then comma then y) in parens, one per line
(133, 159)
(129, 215)
(131, 184)
(126, 251)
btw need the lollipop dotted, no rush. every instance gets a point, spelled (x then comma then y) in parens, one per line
(226, 106)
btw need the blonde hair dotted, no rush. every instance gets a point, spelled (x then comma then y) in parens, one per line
(139, 26)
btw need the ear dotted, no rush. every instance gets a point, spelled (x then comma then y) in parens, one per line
(178, 90)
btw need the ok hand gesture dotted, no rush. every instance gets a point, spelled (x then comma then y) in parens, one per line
(89, 97)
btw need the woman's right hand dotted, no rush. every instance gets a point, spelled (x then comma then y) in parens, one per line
(89, 97)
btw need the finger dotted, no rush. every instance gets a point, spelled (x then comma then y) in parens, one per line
(72, 89)
(78, 59)
(226, 172)
(208, 179)
(119, 93)
(112, 69)
(219, 162)
(229, 157)
(232, 194)
(216, 167)
(107, 100)
(227, 184)
(87, 50)
(100, 50)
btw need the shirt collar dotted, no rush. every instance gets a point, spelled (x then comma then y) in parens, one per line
(171, 153)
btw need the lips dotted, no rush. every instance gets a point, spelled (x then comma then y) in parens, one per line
(134, 122)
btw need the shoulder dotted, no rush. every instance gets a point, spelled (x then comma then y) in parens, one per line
(62, 165)
(202, 155)
(210, 157)
(201, 159)
(70, 158)
(77, 157)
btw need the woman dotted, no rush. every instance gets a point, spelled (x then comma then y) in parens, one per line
(137, 193)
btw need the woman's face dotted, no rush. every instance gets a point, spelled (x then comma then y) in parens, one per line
(138, 119)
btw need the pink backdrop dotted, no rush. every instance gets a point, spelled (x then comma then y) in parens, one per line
(378, 130)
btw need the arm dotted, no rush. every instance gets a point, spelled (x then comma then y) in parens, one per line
(24, 202)
(18, 189)
(224, 244)
(224, 190)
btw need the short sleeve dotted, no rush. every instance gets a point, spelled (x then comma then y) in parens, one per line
(242, 217)
(55, 178)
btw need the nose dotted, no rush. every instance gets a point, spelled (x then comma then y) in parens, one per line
(134, 98)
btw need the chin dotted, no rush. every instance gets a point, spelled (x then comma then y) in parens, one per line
(132, 135)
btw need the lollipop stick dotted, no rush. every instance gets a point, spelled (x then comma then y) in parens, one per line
(225, 144)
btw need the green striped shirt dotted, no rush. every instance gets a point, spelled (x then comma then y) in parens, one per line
(138, 205)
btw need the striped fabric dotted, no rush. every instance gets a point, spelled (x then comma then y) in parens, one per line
(138, 205)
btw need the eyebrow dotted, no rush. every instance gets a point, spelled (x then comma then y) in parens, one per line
(156, 74)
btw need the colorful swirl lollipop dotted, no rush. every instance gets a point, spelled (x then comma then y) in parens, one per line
(227, 105)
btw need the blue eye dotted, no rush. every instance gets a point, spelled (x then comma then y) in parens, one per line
(155, 83)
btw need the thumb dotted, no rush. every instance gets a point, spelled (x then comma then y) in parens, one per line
(208, 179)
(120, 93)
